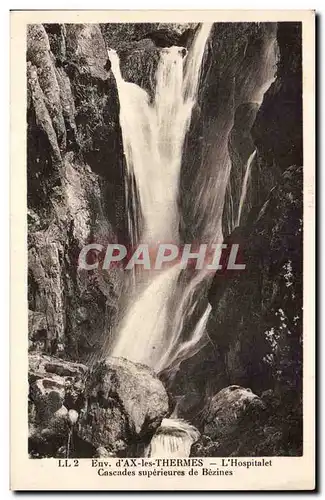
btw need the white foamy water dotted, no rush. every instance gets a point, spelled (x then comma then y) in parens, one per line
(153, 134)
(153, 137)
(160, 308)
(174, 438)
(141, 336)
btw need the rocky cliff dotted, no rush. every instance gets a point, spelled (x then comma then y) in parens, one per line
(255, 329)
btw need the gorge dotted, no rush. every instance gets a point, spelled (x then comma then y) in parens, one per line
(165, 133)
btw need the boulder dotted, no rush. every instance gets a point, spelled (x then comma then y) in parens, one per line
(237, 423)
(55, 398)
(226, 408)
(125, 401)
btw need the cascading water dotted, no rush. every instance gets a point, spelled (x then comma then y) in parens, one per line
(244, 186)
(153, 138)
(153, 133)
(173, 438)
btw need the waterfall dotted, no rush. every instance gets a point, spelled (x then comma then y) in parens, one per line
(173, 438)
(153, 136)
(165, 319)
(176, 350)
(141, 337)
(244, 186)
(182, 351)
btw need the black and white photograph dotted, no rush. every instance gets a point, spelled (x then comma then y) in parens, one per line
(165, 228)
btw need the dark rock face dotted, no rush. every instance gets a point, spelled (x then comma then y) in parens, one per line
(251, 426)
(125, 403)
(256, 308)
(226, 419)
(255, 328)
(66, 198)
(232, 79)
(163, 34)
(277, 130)
(224, 410)
(274, 130)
